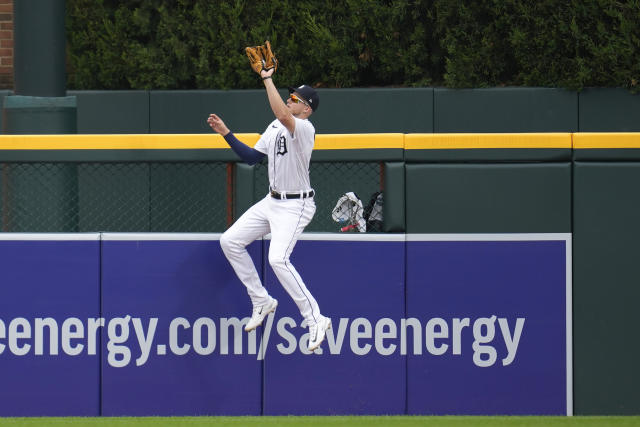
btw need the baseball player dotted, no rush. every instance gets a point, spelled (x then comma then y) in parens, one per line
(285, 211)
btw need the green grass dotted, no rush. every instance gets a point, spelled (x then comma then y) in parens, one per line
(355, 421)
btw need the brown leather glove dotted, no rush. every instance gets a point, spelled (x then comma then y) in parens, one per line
(261, 57)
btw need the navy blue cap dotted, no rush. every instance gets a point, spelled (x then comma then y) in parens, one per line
(308, 94)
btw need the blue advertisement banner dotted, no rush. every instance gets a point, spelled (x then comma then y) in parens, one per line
(495, 324)
(174, 343)
(359, 284)
(49, 347)
(152, 324)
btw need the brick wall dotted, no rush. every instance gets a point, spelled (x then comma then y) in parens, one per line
(6, 44)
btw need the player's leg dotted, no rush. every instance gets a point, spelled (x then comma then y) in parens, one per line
(288, 219)
(252, 225)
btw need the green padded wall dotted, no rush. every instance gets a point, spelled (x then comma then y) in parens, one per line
(609, 110)
(394, 213)
(115, 111)
(488, 198)
(376, 110)
(505, 110)
(606, 288)
(187, 111)
(367, 110)
(341, 110)
(24, 115)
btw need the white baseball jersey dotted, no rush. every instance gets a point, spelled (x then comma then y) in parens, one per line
(289, 155)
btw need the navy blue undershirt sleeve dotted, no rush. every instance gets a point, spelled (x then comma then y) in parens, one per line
(247, 154)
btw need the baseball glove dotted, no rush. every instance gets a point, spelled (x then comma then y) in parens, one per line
(261, 57)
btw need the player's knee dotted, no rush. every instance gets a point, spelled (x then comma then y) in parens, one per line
(228, 244)
(277, 262)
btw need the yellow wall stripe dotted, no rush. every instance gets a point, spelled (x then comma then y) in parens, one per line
(411, 141)
(119, 142)
(606, 140)
(184, 141)
(359, 141)
(431, 141)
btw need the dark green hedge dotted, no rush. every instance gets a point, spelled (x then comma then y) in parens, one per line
(198, 44)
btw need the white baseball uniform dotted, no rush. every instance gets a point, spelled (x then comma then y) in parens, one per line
(284, 217)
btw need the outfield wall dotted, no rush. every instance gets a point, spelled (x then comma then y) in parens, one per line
(582, 184)
(365, 110)
(151, 324)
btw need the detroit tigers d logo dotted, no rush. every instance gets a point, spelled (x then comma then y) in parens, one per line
(282, 146)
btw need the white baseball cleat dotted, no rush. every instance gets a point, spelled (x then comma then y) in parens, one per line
(259, 313)
(317, 332)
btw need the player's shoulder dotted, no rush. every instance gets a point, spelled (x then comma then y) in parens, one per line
(305, 124)
(275, 124)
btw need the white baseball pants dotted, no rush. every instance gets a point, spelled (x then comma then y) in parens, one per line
(285, 220)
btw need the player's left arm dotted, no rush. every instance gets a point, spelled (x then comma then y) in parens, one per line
(246, 153)
(278, 106)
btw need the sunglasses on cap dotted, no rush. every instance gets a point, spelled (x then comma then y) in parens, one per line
(297, 100)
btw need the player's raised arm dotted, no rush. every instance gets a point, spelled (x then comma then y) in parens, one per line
(279, 108)
(264, 62)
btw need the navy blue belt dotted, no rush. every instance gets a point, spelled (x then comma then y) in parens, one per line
(297, 195)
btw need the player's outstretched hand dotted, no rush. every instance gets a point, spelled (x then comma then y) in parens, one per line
(267, 73)
(217, 124)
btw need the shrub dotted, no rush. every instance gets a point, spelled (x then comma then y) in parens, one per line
(199, 44)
